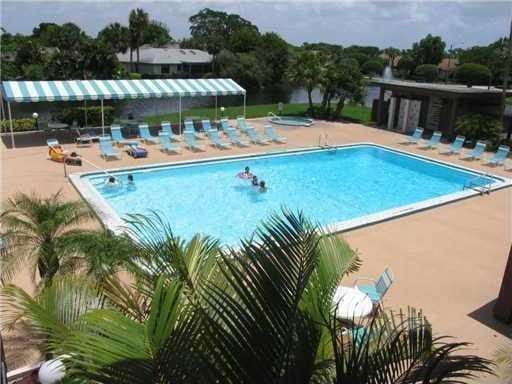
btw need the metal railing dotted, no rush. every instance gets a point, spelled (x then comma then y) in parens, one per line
(478, 187)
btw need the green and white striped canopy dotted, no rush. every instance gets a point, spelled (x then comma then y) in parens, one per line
(34, 91)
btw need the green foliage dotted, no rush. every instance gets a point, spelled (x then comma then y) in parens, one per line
(273, 51)
(430, 50)
(156, 34)
(305, 70)
(69, 115)
(245, 40)
(10, 71)
(116, 37)
(372, 67)
(18, 125)
(406, 65)
(476, 126)
(427, 72)
(34, 72)
(28, 53)
(492, 56)
(138, 22)
(260, 313)
(473, 74)
(134, 76)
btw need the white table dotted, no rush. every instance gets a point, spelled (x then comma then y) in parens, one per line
(351, 303)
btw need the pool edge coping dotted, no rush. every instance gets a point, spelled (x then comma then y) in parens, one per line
(110, 219)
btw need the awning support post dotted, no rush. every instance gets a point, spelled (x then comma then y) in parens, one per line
(179, 114)
(10, 125)
(85, 111)
(244, 104)
(102, 119)
(215, 107)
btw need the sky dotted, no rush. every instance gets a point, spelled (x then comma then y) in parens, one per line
(462, 23)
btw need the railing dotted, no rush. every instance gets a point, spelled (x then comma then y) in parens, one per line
(325, 143)
(478, 187)
(272, 114)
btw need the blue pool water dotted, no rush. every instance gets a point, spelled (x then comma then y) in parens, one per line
(353, 182)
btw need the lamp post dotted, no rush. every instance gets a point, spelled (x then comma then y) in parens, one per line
(35, 116)
(222, 109)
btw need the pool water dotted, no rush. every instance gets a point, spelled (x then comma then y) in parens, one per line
(329, 187)
(292, 120)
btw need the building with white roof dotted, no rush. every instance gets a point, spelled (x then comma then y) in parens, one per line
(168, 60)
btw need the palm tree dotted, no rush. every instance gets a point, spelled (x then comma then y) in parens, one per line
(305, 70)
(504, 359)
(40, 232)
(262, 312)
(138, 22)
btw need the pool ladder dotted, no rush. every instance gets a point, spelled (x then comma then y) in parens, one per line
(272, 114)
(475, 186)
(331, 149)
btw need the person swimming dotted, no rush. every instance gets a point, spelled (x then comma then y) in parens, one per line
(112, 182)
(130, 180)
(263, 187)
(246, 174)
(255, 181)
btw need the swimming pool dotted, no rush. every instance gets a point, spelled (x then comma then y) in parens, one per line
(344, 188)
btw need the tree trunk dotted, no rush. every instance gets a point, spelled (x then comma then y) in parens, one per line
(310, 99)
(339, 108)
(131, 59)
(137, 65)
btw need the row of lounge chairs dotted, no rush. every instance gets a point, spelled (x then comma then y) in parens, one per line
(456, 147)
(167, 139)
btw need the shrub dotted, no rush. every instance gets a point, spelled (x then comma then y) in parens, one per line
(477, 126)
(473, 74)
(134, 76)
(372, 67)
(426, 72)
(93, 115)
(18, 125)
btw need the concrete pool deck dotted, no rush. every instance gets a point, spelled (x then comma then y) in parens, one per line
(448, 261)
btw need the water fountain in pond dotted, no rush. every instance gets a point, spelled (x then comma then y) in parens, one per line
(388, 73)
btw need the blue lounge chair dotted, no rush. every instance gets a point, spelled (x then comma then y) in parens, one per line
(415, 137)
(107, 149)
(165, 127)
(255, 137)
(189, 128)
(376, 289)
(500, 156)
(166, 145)
(455, 147)
(433, 142)
(235, 138)
(191, 143)
(207, 125)
(476, 153)
(145, 135)
(242, 124)
(214, 137)
(272, 135)
(224, 124)
(117, 136)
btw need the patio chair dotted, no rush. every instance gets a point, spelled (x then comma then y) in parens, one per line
(476, 153)
(272, 135)
(207, 125)
(166, 145)
(107, 149)
(224, 124)
(242, 124)
(189, 128)
(191, 143)
(145, 135)
(235, 138)
(455, 147)
(376, 289)
(415, 137)
(166, 127)
(433, 142)
(255, 138)
(214, 137)
(117, 136)
(500, 156)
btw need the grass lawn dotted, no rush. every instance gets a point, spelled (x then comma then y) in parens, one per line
(351, 112)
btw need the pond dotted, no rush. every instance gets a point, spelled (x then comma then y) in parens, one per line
(149, 107)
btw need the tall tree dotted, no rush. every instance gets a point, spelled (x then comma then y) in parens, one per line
(157, 34)
(430, 50)
(305, 70)
(115, 36)
(138, 22)
(274, 52)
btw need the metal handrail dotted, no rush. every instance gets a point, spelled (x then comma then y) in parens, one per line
(482, 188)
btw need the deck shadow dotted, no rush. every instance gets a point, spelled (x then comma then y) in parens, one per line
(484, 315)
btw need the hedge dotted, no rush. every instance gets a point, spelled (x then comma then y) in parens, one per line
(18, 125)
(78, 114)
(473, 74)
(427, 72)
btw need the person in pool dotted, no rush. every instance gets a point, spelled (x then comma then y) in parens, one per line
(130, 180)
(255, 181)
(112, 182)
(246, 174)
(263, 187)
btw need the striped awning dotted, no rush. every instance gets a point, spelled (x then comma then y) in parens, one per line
(34, 91)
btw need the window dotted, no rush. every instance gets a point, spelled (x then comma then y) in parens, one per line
(165, 68)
